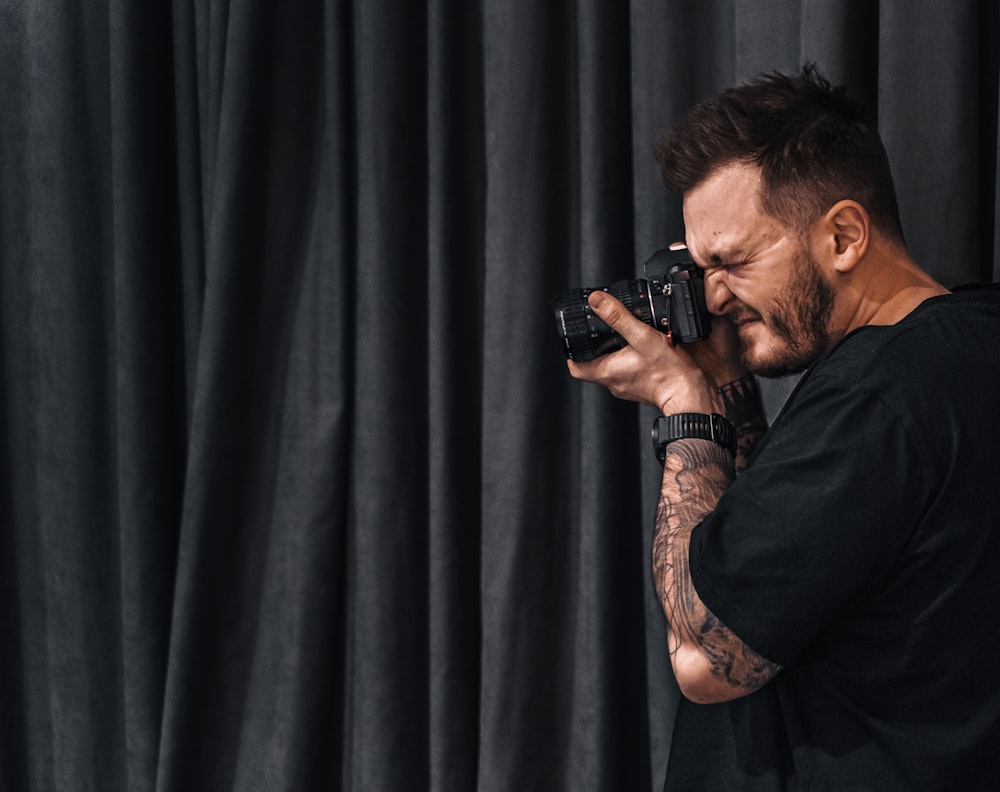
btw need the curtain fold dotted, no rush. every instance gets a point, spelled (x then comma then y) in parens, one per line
(295, 491)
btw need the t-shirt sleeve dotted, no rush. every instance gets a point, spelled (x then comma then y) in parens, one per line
(815, 523)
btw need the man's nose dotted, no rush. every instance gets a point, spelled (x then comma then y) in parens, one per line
(717, 294)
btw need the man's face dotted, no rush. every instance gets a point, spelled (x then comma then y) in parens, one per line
(758, 274)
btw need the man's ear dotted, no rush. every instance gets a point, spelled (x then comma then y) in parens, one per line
(848, 230)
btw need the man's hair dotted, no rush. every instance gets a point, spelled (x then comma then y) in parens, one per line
(811, 142)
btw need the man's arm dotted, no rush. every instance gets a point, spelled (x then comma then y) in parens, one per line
(743, 406)
(710, 663)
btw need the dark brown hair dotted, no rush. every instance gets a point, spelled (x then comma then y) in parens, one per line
(812, 144)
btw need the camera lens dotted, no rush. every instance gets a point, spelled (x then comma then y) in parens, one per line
(670, 299)
(584, 335)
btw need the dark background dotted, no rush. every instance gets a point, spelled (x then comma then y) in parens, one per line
(295, 491)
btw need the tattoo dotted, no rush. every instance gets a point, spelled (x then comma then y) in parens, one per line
(696, 473)
(743, 406)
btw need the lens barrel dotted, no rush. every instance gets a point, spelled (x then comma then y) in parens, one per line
(584, 335)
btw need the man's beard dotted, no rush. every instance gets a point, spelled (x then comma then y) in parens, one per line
(799, 321)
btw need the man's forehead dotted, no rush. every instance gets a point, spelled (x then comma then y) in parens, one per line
(721, 211)
(719, 239)
(733, 187)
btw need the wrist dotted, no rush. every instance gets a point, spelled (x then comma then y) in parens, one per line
(741, 400)
(730, 375)
(701, 426)
(691, 393)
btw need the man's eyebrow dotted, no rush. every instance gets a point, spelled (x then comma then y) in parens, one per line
(720, 258)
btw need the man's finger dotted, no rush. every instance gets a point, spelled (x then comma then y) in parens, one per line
(616, 316)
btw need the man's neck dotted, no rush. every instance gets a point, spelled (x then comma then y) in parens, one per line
(884, 290)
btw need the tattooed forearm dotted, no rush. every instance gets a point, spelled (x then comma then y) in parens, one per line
(731, 659)
(696, 473)
(743, 406)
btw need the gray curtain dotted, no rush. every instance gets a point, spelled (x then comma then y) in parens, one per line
(296, 493)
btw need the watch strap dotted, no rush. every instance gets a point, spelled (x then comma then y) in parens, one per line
(701, 426)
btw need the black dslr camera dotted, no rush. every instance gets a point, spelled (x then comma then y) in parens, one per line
(671, 298)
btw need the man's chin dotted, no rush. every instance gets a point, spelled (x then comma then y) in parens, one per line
(770, 363)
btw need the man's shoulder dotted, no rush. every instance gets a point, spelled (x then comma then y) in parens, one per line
(946, 332)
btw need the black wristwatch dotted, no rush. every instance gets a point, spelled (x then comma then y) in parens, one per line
(714, 427)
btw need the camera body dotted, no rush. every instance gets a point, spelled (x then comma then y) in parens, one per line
(671, 298)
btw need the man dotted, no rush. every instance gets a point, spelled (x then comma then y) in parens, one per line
(832, 611)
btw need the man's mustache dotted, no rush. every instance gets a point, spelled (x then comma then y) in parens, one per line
(742, 313)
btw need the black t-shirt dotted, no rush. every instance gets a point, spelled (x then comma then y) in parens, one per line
(861, 551)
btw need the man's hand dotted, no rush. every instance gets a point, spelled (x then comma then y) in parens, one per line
(719, 354)
(673, 379)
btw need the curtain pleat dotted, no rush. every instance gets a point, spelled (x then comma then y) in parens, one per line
(453, 469)
(295, 491)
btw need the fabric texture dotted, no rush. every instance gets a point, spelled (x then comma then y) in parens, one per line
(860, 550)
(295, 491)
